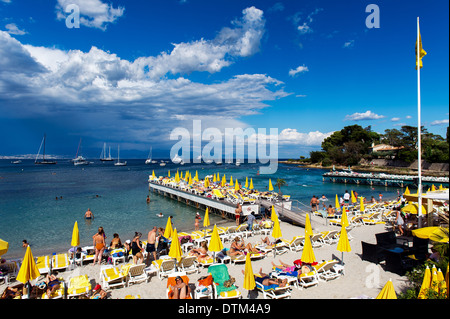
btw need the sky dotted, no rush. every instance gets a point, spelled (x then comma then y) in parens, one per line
(133, 72)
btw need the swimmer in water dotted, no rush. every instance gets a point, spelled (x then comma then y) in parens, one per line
(89, 214)
(160, 215)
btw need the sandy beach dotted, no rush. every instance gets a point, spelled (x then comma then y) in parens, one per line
(362, 279)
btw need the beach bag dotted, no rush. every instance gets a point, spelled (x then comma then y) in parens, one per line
(228, 283)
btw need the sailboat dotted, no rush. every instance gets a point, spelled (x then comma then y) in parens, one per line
(43, 161)
(149, 157)
(103, 157)
(177, 159)
(79, 159)
(238, 163)
(119, 163)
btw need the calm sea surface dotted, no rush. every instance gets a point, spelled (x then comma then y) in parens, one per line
(29, 208)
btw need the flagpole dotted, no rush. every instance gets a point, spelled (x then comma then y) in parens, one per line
(419, 148)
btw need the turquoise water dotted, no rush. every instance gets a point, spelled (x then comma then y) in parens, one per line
(29, 208)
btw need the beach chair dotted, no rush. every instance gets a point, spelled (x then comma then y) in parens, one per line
(60, 262)
(372, 219)
(242, 230)
(296, 244)
(188, 264)
(78, 286)
(11, 271)
(356, 221)
(245, 199)
(329, 237)
(203, 288)
(205, 261)
(315, 240)
(136, 274)
(217, 194)
(112, 277)
(328, 270)
(165, 267)
(43, 264)
(236, 259)
(171, 282)
(58, 293)
(220, 275)
(230, 233)
(274, 291)
(117, 255)
(308, 280)
(90, 253)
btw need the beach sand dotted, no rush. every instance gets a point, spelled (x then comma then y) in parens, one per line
(362, 279)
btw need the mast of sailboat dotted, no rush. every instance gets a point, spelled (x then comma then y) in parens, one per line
(39, 152)
(43, 154)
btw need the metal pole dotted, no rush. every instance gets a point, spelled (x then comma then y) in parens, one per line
(419, 147)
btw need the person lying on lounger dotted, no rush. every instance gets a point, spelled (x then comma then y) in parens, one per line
(180, 291)
(265, 280)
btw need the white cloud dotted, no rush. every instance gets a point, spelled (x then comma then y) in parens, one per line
(349, 44)
(408, 116)
(368, 115)
(300, 69)
(13, 29)
(395, 119)
(291, 136)
(439, 122)
(93, 13)
(306, 26)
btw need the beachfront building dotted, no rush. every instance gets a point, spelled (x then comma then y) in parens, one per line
(385, 151)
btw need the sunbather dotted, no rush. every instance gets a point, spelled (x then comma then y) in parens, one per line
(52, 284)
(267, 241)
(98, 293)
(293, 270)
(201, 253)
(236, 247)
(180, 291)
(265, 279)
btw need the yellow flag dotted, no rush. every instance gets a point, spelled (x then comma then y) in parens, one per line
(422, 52)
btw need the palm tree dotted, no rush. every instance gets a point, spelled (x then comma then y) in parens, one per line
(280, 182)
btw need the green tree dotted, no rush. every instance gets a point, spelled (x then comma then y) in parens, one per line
(280, 182)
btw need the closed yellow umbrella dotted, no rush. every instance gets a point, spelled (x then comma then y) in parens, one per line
(308, 227)
(441, 188)
(153, 174)
(206, 182)
(231, 181)
(344, 219)
(426, 283)
(75, 236)
(343, 244)
(249, 277)
(168, 173)
(177, 177)
(215, 244)
(353, 198)
(388, 291)
(270, 185)
(442, 283)
(433, 188)
(407, 192)
(434, 279)
(214, 178)
(28, 270)
(446, 281)
(4, 245)
(206, 219)
(336, 203)
(181, 175)
(361, 205)
(190, 180)
(438, 234)
(251, 183)
(224, 180)
(273, 214)
(168, 231)
(308, 253)
(236, 185)
(246, 182)
(196, 177)
(276, 231)
(175, 248)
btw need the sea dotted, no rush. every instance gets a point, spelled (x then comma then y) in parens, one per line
(41, 203)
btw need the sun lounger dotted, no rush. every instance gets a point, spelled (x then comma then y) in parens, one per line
(171, 282)
(308, 280)
(117, 255)
(220, 275)
(217, 194)
(165, 267)
(328, 270)
(329, 237)
(90, 253)
(242, 230)
(78, 286)
(60, 262)
(112, 277)
(136, 274)
(188, 264)
(274, 291)
(315, 240)
(43, 264)
(296, 244)
(58, 293)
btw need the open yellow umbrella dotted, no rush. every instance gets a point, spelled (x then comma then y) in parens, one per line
(249, 277)
(206, 219)
(413, 208)
(388, 291)
(270, 185)
(438, 234)
(308, 253)
(215, 244)
(4, 245)
(231, 181)
(336, 203)
(28, 270)
(426, 284)
(343, 244)
(344, 219)
(361, 205)
(246, 182)
(168, 231)
(308, 227)
(236, 185)
(251, 183)
(407, 192)
(175, 248)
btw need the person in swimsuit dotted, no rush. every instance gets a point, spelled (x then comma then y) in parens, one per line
(265, 279)
(99, 245)
(197, 221)
(151, 243)
(201, 253)
(89, 214)
(236, 247)
(180, 290)
(238, 212)
(52, 284)
(115, 242)
(136, 248)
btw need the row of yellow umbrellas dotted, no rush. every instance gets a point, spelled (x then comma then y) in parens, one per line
(434, 279)
(432, 189)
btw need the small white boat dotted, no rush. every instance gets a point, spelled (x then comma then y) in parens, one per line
(238, 163)
(177, 159)
(149, 157)
(119, 163)
(162, 163)
(16, 162)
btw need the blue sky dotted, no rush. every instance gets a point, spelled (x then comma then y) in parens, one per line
(135, 70)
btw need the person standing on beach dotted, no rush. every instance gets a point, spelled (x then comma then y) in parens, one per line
(313, 203)
(238, 212)
(99, 245)
(151, 243)
(89, 214)
(346, 198)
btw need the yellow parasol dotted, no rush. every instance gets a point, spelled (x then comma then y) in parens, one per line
(175, 248)
(270, 185)
(28, 270)
(336, 203)
(276, 231)
(224, 180)
(426, 284)
(361, 205)
(177, 177)
(190, 180)
(251, 183)
(353, 198)
(273, 214)
(308, 228)
(434, 279)
(343, 244)
(438, 234)
(236, 185)
(153, 174)
(181, 175)
(413, 208)
(249, 277)
(214, 178)
(344, 219)
(442, 283)
(407, 192)
(168, 231)
(206, 220)
(196, 177)
(388, 291)
(308, 253)
(433, 188)
(231, 181)
(206, 182)
(246, 182)
(215, 244)
(75, 236)
(4, 245)
(446, 281)
(168, 173)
